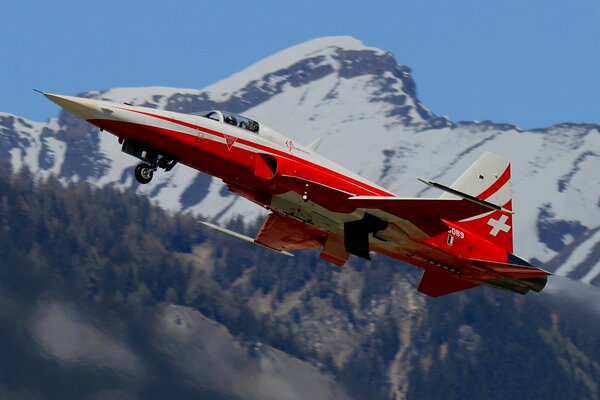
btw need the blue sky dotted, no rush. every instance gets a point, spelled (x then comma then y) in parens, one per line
(528, 62)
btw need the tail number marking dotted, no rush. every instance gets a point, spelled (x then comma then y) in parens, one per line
(456, 232)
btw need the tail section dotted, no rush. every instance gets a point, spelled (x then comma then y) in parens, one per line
(487, 183)
(488, 179)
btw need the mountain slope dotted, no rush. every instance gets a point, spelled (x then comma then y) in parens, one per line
(88, 277)
(365, 106)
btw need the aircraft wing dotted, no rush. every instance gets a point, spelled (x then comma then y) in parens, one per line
(284, 233)
(279, 234)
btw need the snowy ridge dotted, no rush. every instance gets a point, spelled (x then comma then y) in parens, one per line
(581, 261)
(365, 107)
(143, 96)
(324, 46)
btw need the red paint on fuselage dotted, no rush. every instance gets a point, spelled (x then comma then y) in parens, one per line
(235, 165)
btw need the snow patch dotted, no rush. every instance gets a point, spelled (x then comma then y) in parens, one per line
(16, 159)
(156, 95)
(177, 181)
(109, 147)
(58, 149)
(325, 46)
(578, 256)
(592, 274)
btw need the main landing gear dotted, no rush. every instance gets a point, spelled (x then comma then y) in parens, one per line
(153, 159)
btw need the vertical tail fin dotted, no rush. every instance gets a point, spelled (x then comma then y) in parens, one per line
(488, 179)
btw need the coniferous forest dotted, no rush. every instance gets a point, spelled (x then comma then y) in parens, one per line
(116, 262)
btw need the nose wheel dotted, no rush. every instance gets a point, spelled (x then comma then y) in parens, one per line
(143, 173)
(152, 157)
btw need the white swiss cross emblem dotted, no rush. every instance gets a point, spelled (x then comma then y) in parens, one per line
(499, 225)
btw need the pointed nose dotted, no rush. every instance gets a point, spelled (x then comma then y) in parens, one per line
(83, 108)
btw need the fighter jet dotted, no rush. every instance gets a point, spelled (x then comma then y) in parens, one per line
(461, 240)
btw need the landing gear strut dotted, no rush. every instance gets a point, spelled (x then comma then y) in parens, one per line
(153, 159)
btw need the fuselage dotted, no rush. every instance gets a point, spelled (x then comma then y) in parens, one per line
(230, 153)
(223, 150)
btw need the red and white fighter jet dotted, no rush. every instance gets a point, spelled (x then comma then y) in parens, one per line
(462, 239)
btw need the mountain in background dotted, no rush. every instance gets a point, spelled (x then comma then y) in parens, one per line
(364, 105)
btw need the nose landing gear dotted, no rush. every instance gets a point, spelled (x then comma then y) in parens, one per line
(143, 173)
(153, 159)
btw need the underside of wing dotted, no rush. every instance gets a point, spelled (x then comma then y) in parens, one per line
(512, 271)
(285, 233)
(333, 199)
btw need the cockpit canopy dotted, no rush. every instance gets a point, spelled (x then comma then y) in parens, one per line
(231, 119)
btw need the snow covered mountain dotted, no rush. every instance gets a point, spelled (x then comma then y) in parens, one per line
(364, 105)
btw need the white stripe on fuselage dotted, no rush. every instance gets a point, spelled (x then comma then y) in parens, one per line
(134, 116)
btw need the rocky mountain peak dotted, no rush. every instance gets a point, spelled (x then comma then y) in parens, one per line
(337, 57)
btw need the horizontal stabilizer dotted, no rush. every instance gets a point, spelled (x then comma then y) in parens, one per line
(242, 237)
(512, 271)
(465, 196)
(518, 278)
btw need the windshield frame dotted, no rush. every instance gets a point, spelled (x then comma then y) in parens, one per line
(225, 117)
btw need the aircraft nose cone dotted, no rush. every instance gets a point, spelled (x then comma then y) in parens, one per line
(83, 108)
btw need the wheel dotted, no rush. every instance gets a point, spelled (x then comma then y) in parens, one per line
(143, 173)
